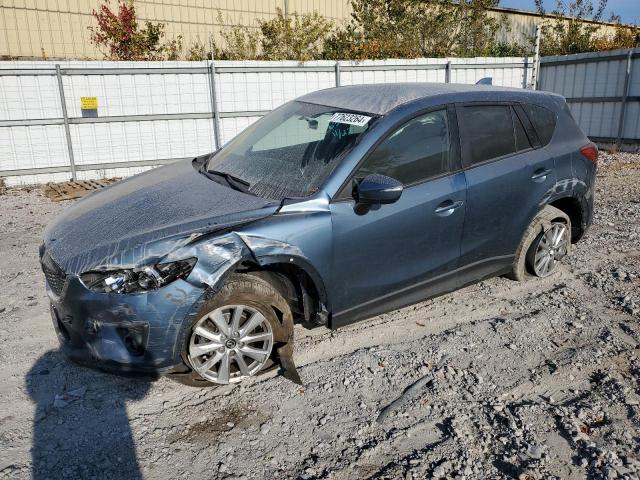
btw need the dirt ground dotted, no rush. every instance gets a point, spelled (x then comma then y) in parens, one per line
(498, 380)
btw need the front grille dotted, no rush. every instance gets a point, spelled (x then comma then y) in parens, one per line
(53, 273)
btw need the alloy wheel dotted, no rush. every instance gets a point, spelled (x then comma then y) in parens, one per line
(230, 343)
(551, 247)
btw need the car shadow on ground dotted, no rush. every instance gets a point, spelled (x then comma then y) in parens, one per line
(81, 428)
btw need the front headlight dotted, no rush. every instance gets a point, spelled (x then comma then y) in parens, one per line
(141, 279)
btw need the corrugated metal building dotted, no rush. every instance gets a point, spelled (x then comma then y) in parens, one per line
(521, 25)
(58, 28)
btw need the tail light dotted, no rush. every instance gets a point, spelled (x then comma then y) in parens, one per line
(590, 151)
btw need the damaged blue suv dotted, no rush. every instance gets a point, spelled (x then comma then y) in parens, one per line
(335, 207)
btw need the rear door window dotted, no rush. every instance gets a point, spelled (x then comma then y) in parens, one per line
(489, 132)
(492, 131)
(543, 120)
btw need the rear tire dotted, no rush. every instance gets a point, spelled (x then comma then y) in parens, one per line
(235, 354)
(548, 219)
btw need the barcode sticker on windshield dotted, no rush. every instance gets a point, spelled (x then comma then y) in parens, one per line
(350, 118)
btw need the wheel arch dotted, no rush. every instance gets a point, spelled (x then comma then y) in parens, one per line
(575, 210)
(298, 280)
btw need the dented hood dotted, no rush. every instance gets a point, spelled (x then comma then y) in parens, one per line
(144, 217)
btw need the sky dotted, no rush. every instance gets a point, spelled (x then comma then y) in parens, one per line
(629, 10)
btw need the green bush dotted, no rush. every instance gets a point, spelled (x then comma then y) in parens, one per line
(508, 49)
(414, 28)
(197, 51)
(297, 37)
(623, 37)
(241, 43)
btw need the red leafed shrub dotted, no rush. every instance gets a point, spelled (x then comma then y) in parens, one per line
(119, 37)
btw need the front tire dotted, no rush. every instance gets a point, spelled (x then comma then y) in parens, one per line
(545, 242)
(236, 334)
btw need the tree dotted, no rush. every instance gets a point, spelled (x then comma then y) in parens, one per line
(119, 37)
(565, 30)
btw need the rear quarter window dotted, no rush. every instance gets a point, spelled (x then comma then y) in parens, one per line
(543, 120)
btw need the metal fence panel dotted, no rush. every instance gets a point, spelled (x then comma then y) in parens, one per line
(138, 141)
(392, 71)
(603, 97)
(33, 147)
(632, 120)
(151, 113)
(597, 120)
(504, 71)
(258, 86)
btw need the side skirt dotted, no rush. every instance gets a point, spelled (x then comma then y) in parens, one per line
(431, 288)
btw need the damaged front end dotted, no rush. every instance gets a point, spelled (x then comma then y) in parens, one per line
(135, 318)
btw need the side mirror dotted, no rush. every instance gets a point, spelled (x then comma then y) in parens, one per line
(378, 190)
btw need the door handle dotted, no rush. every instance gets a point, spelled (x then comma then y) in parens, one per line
(447, 207)
(540, 175)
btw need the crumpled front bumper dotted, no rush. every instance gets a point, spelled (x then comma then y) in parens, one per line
(141, 332)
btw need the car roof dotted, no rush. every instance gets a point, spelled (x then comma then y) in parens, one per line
(381, 98)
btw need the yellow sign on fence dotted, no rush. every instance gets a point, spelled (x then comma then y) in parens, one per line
(88, 103)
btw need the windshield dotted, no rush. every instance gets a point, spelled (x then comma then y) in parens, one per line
(290, 151)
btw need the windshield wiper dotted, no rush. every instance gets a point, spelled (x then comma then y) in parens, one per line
(234, 182)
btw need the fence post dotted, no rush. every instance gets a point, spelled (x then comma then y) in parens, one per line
(524, 73)
(536, 59)
(447, 72)
(65, 116)
(625, 95)
(337, 67)
(215, 114)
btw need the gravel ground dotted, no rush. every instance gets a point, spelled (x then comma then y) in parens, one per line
(498, 380)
